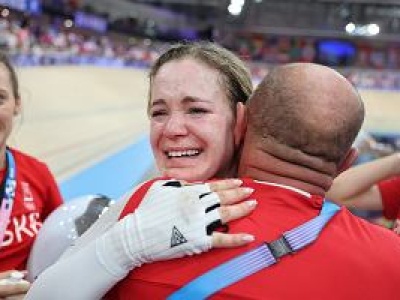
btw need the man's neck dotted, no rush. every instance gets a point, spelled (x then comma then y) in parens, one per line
(309, 177)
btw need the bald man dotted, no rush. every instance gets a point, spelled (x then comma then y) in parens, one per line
(302, 120)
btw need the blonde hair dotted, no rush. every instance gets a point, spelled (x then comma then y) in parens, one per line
(235, 75)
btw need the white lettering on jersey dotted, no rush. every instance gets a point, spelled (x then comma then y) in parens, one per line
(26, 191)
(35, 224)
(27, 196)
(8, 238)
(24, 225)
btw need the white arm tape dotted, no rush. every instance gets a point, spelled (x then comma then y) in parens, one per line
(170, 222)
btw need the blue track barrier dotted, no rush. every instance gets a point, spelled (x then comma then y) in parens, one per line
(113, 176)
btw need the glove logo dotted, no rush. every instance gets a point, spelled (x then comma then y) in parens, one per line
(177, 238)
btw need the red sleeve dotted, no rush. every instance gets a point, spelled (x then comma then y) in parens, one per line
(136, 198)
(53, 197)
(390, 192)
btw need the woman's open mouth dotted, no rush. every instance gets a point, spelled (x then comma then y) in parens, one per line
(183, 153)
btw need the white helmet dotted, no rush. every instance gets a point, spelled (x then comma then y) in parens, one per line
(61, 228)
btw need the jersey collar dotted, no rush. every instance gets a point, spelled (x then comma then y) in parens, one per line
(296, 190)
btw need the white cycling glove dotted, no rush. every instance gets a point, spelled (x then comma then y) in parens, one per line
(172, 221)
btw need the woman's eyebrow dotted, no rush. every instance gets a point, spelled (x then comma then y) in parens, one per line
(157, 102)
(195, 99)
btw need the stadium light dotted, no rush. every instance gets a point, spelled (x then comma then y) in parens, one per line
(235, 7)
(373, 29)
(362, 30)
(350, 28)
(237, 2)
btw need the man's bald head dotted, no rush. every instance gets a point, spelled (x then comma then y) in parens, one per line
(307, 107)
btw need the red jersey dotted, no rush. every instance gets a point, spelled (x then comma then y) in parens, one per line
(390, 193)
(36, 196)
(351, 259)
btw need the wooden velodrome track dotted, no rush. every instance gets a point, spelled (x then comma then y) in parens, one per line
(74, 117)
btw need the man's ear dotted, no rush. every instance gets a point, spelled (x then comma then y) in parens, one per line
(241, 123)
(349, 160)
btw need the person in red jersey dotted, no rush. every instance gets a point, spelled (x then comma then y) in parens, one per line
(302, 120)
(371, 186)
(196, 111)
(29, 192)
(390, 193)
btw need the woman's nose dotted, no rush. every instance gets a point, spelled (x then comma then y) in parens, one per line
(176, 125)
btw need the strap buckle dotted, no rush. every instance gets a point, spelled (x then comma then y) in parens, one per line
(279, 247)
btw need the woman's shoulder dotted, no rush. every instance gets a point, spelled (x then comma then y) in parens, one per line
(23, 158)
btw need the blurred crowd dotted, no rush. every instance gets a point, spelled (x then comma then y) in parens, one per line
(43, 40)
(357, 53)
(31, 42)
